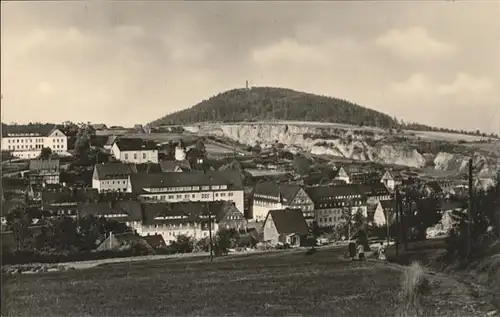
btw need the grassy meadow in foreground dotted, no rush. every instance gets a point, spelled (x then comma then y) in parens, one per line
(283, 284)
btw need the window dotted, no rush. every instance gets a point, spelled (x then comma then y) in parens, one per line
(135, 156)
(126, 156)
(144, 155)
(205, 195)
(186, 196)
(230, 194)
(170, 196)
(179, 196)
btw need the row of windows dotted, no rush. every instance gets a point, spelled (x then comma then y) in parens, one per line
(135, 156)
(330, 219)
(340, 204)
(188, 196)
(32, 147)
(187, 188)
(30, 140)
(113, 182)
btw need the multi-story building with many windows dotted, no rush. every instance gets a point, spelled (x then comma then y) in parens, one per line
(331, 202)
(272, 196)
(189, 186)
(28, 142)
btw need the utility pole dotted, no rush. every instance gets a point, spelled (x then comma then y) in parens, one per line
(469, 212)
(396, 236)
(210, 232)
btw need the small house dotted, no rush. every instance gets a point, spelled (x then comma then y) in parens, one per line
(342, 175)
(44, 171)
(384, 209)
(156, 241)
(123, 241)
(285, 226)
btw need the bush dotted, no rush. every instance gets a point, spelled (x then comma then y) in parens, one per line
(413, 287)
(25, 257)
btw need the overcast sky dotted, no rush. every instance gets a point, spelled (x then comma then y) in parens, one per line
(435, 62)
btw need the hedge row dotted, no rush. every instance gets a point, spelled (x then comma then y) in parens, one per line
(25, 257)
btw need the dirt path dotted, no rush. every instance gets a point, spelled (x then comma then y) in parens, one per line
(450, 295)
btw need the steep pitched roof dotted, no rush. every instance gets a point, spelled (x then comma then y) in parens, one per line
(286, 191)
(112, 171)
(29, 130)
(135, 144)
(45, 165)
(288, 221)
(171, 165)
(155, 241)
(174, 179)
(387, 204)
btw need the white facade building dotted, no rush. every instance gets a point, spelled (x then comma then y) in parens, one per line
(29, 144)
(189, 186)
(111, 177)
(135, 151)
(180, 153)
(271, 196)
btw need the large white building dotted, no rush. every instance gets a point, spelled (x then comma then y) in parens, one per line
(29, 142)
(135, 150)
(272, 196)
(330, 203)
(189, 186)
(112, 177)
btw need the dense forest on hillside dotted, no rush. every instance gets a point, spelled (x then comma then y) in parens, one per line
(265, 103)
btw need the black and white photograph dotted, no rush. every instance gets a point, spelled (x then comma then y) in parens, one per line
(250, 158)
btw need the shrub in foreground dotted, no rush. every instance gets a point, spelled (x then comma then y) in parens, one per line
(413, 287)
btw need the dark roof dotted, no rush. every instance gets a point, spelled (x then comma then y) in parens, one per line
(14, 183)
(39, 165)
(175, 179)
(387, 204)
(435, 187)
(146, 168)
(135, 144)
(155, 241)
(67, 195)
(99, 126)
(169, 166)
(376, 189)
(273, 189)
(102, 209)
(29, 129)
(288, 221)
(183, 212)
(112, 171)
(99, 140)
(334, 193)
(111, 139)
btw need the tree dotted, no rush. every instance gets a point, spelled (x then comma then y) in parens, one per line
(83, 139)
(200, 146)
(224, 240)
(183, 244)
(45, 153)
(301, 164)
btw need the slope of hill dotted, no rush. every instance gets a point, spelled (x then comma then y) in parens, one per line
(264, 103)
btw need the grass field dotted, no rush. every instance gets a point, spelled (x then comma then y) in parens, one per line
(277, 284)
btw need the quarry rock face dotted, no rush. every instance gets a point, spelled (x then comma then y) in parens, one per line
(347, 143)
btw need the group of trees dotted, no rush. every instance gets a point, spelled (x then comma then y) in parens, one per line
(222, 241)
(60, 234)
(265, 103)
(484, 228)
